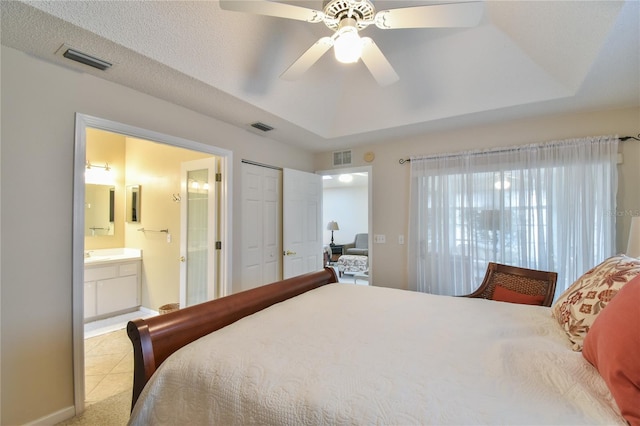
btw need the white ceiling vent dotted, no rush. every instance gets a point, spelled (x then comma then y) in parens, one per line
(342, 158)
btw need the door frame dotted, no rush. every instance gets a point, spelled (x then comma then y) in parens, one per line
(369, 171)
(82, 122)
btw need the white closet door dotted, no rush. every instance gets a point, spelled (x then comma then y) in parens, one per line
(261, 225)
(302, 216)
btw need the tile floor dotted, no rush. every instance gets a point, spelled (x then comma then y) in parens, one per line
(108, 356)
(108, 365)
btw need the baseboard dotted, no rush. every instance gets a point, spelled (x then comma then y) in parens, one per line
(118, 322)
(147, 310)
(54, 418)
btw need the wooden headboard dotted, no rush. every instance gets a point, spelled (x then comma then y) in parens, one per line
(154, 339)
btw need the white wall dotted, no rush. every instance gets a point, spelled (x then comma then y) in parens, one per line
(349, 207)
(391, 180)
(39, 102)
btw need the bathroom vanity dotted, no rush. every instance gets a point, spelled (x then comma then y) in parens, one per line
(112, 282)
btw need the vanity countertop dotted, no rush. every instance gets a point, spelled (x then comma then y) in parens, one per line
(99, 256)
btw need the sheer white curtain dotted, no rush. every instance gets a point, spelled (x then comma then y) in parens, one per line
(547, 206)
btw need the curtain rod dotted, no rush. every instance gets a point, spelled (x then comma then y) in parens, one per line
(625, 138)
(621, 138)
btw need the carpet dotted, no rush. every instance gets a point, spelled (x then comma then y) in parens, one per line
(113, 411)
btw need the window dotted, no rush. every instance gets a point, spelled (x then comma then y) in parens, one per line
(545, 206)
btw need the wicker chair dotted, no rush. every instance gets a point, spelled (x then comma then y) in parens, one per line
(529, 282)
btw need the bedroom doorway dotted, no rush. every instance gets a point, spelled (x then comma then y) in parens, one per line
(347, 201)
(158, 232)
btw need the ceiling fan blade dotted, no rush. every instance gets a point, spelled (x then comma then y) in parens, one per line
(307, 59)
(269, 8)
(434, 16)
(377, 64)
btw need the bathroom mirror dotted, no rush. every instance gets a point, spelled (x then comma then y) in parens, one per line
(99, 201)
(133, 203)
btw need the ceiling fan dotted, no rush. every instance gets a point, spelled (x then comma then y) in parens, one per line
(347, 17)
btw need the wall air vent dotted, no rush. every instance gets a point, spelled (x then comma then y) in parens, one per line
(261, 126)
(342, 158)
(83, 58)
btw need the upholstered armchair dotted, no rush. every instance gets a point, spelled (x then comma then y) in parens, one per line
(359, 247)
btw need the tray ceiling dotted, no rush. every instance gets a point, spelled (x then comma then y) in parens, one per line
(526, 58)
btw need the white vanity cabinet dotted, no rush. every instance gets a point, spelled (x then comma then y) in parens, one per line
(111, 288)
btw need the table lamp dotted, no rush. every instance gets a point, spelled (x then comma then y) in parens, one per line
(332, 226)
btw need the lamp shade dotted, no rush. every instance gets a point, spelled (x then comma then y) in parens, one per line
(633, 246)
(333, 226)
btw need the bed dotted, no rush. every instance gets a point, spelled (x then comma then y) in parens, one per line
(310, 351)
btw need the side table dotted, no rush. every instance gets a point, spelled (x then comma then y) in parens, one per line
(336, 252)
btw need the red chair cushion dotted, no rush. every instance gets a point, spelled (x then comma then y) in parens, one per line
(502, 294)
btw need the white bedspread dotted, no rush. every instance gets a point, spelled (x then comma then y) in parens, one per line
(347, 354)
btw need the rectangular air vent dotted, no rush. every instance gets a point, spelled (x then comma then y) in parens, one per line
(83, 58)
(261, 126)
(342, 158)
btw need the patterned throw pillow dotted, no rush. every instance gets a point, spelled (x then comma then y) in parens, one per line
(577, 308)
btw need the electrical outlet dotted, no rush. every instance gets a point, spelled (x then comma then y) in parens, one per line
(380, 239)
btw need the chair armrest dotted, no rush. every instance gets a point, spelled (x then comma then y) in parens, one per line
(357, 251)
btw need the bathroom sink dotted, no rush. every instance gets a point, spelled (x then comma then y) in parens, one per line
(95, 259)
(111, 255)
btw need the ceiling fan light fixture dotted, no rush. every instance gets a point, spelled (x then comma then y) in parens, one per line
(347, 17)
(348, 45)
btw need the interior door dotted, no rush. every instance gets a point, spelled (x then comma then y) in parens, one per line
(261, 225)
(198, 218)
(302, 228)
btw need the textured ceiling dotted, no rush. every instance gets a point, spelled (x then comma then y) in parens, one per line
(526, 58)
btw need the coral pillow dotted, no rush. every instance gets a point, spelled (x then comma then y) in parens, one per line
(502, 294)
(580, 304)
(613, 347)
